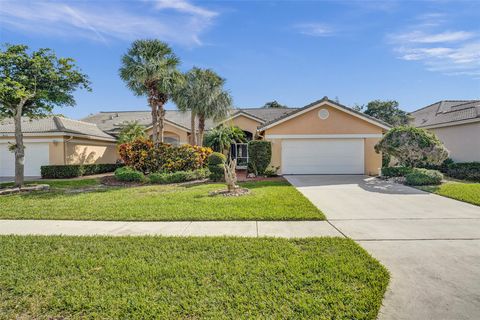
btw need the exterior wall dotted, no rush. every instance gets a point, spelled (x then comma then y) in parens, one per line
(90, 151)
(338, 122)
(56, 153)
(373, 160)
(244, 123)
(463, 141)
(173, 132)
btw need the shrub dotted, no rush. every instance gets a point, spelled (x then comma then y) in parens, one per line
(396, 171)
(271, 172)
(423, 177)
(216, 165)
(129, 174)
(463, 171)
(142, 155)
(76, 170)
(259, 156)
(412, 147)
(179, 176)
(61, 171)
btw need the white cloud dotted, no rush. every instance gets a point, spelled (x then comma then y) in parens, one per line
(314, 29)
(103, 23)
(446, 51)
(186, 7)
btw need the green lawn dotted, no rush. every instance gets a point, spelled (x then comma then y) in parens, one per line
(269, 200)
(60, 183)
(187, 278)
(467, 192)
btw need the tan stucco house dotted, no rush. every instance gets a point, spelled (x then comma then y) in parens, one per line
(456, 123)
(55, 141)
(323, 137)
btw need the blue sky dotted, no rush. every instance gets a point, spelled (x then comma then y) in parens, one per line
(295, 52)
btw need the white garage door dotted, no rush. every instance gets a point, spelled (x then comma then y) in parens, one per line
(323, 156)
(36, 155)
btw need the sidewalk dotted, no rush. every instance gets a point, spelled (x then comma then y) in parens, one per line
(284, 229)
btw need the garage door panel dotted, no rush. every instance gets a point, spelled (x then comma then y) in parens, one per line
(323, 156)
(36, 155)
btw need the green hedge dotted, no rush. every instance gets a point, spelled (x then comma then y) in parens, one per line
(76, 170)
(423, 177)
(259, 156)
(395, 171)
(216, 164)
(177, 177)
(128, 174)
(463, 171)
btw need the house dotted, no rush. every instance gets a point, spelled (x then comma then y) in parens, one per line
(456, 123)
(323, 137)
(55, 141)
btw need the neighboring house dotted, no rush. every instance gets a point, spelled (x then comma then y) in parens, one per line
(55, 141)
(323, 137)
(456, 123)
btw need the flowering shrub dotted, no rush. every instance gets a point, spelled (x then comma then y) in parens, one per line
(142, 155)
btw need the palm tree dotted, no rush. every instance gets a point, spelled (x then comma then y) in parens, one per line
(203, 94)
(130, 132)
(221, 137)
(150, 68)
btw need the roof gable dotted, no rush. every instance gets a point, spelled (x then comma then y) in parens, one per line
(330, 103)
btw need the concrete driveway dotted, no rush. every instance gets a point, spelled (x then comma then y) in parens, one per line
(429, 243)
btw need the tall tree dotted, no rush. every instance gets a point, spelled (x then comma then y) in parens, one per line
(31, 85)
(150, 68)
(274, 104)
(203, 94)
(387, 111)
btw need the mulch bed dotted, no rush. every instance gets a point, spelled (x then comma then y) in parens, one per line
(112, 182)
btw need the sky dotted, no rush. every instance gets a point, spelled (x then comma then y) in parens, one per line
(295, 52)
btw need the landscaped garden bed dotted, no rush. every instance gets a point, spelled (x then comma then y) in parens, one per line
(188, 278)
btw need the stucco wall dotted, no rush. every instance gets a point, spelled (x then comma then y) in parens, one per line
(56, 153)
(174, 132)
(338, 122)
(245, 124)
(463, 141)
(90, 151)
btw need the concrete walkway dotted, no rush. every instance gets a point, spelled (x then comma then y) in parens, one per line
(285, 229)
(429, 243)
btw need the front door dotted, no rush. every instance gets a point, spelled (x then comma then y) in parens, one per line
(239, 151)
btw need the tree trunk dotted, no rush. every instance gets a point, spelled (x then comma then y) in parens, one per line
(201, 129)
(193, 129)
(153, 107)
(162, 98)
(19, 148)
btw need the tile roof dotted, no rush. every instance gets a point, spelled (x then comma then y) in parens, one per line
(446, 112)
(112, 121)
(54, 124)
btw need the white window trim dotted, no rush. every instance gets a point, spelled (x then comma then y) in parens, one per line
(323, 136)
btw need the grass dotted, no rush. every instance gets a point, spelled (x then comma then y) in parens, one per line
(187, 278)
(59, 184)
(269, 200)
(467, 192)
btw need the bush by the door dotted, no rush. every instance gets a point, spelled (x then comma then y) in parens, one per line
(259, 156)
(216, 166)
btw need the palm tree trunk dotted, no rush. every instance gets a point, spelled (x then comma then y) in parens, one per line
(201, 129)
(153, 107)
(19, 148)
(193, 129)
(161, 121)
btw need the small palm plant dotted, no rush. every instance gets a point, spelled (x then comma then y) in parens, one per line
(130, 132)
(221, 137)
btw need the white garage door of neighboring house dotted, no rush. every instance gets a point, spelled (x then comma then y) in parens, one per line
(36, 155)
(323, 156)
